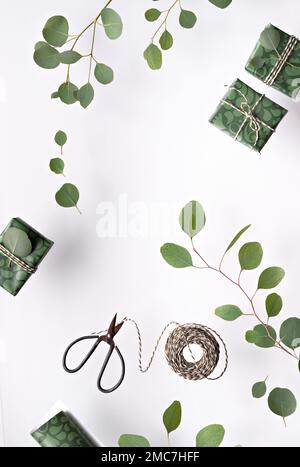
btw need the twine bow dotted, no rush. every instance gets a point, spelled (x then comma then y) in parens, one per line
(19, 262)
(254, 122)
(282, 60)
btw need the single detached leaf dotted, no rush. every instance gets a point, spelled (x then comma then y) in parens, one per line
(221, 3)
(176, 255)
(56, 31)
(259, 389)
(46, 56)
(258, 62)
(103, 73)
(262, 336)
(270, 278)
(273, 304)
(67, 92)
(290, 333)
(270, 38)
(67, 196)
(17, 242)
(153, 57)
(60, 138)
(69, 57)
(112, 23)
(187, 19)
(133, 441)
(57, 165)
(192, 218)
(152, 15)
(210, 436)
(85, 95)
(172, 417)
(250, 255)
(237, 237)
(282, 402)
(228, 312)
(166, 40)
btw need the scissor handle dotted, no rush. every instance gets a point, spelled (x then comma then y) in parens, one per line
(107, 358)
(74, 370)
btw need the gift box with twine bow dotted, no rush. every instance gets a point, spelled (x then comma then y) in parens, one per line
(21, 250)
(275, 60)
(247, 116)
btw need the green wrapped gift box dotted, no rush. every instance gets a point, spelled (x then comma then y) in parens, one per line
(275, 60)
(62, 431)
(21, 250)
(247, 116)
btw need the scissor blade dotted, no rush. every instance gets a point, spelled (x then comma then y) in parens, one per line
(111, 329)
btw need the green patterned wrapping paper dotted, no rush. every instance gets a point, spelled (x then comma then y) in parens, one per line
(247, 116)
(266, 55)
(62, 431)
(12, 276)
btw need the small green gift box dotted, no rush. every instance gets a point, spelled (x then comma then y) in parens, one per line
(275, 60)
(21, 250)
(247, 116)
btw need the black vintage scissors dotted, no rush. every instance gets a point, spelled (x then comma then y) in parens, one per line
(109, 339)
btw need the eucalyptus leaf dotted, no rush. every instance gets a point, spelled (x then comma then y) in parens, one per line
(176, 255)
(210, 436)
(250, 255)
(259, 389)
(187, 19)
(228, 312)
(290, 333)
(221, 3)
(270, 38)
(270, 278)
(172, 417)
(46, 56)
(273, 305)
(56, 31)
(153, 14)
(282, 402)
(69, 57)
(103, 73)
(57, 165)
(112, 23)
(17, 242)
(67, 92)
(192, 218)
(133, 441)
(153, 57)
(166, 40)
(258, 62)
(85, 95)
(68, 196)
(55, 95)
(60, 138)
(262, 336)
(237, 237)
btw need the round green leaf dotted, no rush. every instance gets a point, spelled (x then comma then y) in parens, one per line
(69, 57)
(237, 237)
(273, 304)
(55, 95)
(57, 165)
(103, 73)
(250, 255)
(176, 255)
(112, 23)
(282, 402)
(46, 56)
(172, 417)
(67, 92)
(192, 218)
(228, 312)
(261, 337)
(85, 95)
(270, 278)
(153, 57)
(152, 15)
(60, 138)
(133, 441)
(17, 242)
(56, 31)
(221, 3)
(258, 62)
(166, 40)
(259, 389)
(290, 333)
(210, 436)
(187, 19)
(67, 196)
(270, 38)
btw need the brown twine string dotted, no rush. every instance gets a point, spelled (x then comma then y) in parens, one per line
(17, 261)
(282, 59)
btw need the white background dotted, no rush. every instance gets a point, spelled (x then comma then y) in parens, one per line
(145, 136)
